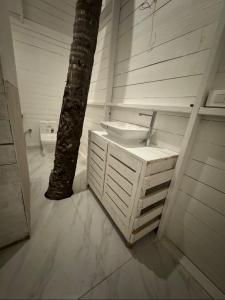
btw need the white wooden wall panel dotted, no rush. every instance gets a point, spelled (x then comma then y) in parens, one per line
(195, 247)
(171, 21)
(191, 42)
(197, 223)
(41, 61)
(193, 64)
(51, 16)
(42, 55)
(161, 55)
(179, 87)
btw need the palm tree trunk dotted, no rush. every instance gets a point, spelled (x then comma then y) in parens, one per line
(72, 115)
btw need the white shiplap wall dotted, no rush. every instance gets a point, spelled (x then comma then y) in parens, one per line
(54, 14)
(42, 56)
(197, 223)
(161, 55)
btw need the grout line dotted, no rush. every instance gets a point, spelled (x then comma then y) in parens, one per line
(105, 278)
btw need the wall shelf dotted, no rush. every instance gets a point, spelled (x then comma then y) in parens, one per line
(212, 111)
(180, 109)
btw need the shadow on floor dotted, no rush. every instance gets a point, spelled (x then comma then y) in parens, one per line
(9, 251)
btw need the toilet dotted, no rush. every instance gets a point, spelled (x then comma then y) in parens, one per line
(48, 130)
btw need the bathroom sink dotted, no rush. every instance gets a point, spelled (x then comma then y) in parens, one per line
(125, 131)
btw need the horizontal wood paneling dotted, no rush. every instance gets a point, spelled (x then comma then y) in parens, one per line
(162, 52)
(42, 46)
(192, 42)
(205, 194)
(179, 87)
(193, 64)
(211, 176)
(173, 20)
(41, 60)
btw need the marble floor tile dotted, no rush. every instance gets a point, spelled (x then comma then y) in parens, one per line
(100, 232)
(150, 274)
(76, 251)
(58, 261)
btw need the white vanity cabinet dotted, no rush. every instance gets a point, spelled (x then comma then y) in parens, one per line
(131, 183)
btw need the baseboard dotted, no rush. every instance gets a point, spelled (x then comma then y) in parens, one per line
(210, 288)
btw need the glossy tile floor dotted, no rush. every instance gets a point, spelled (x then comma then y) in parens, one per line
(75, 252)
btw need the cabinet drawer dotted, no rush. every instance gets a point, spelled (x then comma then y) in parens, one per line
(100, 142)
(153, 198)
(157, 179)
(142, 231)
(150, 215)
(123, 157)
(160, 166)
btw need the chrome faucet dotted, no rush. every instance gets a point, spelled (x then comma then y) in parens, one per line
(153, 116)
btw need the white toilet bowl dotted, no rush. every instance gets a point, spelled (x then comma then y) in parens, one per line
(48, 136)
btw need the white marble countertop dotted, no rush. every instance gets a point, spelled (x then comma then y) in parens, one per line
(152, 153)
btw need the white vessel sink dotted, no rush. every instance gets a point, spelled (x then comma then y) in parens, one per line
(125, 131)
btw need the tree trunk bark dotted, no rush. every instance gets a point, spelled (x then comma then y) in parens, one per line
(72, 115)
